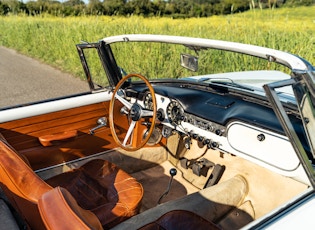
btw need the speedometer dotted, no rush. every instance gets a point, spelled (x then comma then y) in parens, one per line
(175, 112)
(148, 102)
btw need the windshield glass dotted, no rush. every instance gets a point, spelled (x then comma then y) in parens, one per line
(161, 60)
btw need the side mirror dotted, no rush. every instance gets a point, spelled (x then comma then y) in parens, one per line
(189, 62)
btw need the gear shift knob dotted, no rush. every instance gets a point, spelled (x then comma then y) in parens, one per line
(173, 172)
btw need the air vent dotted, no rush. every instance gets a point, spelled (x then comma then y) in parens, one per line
(221, 102)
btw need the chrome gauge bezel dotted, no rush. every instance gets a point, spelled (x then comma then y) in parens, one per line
(175, 112)
(147, 101)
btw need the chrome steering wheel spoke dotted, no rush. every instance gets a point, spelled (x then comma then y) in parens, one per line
(129, 133)
(123, 101)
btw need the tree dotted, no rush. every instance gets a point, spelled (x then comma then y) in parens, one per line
(114, 7)
(95, 7)
(73, 3)
(4, 8)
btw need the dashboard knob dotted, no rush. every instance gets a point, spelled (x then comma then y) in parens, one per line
(194, 135)
(214, 144)
(261, 137)
(207, 141)
(218, 132)
(210, 128)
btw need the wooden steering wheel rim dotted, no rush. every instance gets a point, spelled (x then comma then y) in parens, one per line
(111, 114)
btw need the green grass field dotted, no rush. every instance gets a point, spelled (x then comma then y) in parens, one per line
(52, 40)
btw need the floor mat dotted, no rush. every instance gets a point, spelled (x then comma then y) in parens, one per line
(155, 182)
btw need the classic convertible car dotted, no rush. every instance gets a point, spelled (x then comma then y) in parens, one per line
(166, 140)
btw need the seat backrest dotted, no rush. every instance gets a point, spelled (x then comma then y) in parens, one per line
(57, 203)
(2, 138)
(21, 185)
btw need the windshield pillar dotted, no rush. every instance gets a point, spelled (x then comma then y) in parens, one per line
(308, 122)
(109, 64)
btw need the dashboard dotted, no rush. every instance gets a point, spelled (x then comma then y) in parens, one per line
(225, 122)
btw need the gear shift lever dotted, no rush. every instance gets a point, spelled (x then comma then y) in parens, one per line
(173, 172)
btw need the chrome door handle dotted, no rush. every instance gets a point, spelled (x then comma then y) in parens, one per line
(101, 123)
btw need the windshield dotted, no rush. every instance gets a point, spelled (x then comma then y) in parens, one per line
(162, 60)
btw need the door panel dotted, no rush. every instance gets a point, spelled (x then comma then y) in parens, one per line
(23, 135)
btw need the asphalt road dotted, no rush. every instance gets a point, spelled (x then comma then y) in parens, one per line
(25, 80)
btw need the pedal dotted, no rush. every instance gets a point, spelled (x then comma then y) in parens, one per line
(184, 163)
(196, 169)
(215, 176)
(201, 167)
(205, 162)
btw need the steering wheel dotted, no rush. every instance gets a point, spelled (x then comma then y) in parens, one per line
(135, 113)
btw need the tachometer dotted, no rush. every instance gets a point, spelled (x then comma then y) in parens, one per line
(175, 113)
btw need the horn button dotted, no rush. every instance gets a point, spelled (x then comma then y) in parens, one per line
(135, 112)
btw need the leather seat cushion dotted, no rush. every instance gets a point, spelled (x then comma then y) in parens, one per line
(103, 188)
(180, 219)
(81, 184)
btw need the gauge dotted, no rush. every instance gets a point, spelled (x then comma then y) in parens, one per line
(155, 137)
(175, 112)
(148, 102)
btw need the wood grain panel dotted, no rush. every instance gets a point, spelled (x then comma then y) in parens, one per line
(23, 135)
(28, 129)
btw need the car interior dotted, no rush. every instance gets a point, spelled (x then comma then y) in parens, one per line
(186, 156)
(52, 150)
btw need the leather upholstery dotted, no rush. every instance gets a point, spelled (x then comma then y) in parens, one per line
(178, 220)
(21, 185)
(2, 138)
(59, 210)
(99, 186)
(103, 188)
(59, 202)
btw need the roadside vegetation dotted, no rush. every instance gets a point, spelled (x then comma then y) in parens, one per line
(165, 8)
(52, 39)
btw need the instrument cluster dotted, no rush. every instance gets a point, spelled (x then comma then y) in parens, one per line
(174, 114)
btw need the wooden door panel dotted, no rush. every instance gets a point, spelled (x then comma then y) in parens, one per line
(23, 135)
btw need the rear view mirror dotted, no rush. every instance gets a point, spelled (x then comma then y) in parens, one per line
(189, 62)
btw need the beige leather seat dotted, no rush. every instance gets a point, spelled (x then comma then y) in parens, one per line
(99, 186)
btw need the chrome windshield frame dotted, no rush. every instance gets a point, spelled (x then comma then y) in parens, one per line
(289, 60)
(278, 108)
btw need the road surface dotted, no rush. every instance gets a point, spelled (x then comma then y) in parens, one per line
(24, 80)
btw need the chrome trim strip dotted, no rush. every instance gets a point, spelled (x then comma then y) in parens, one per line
(53, 106)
